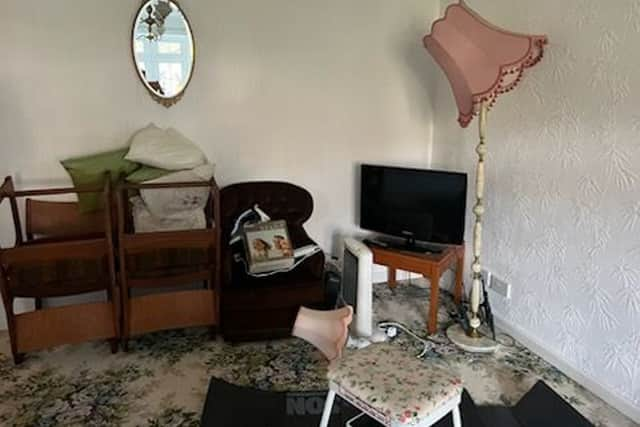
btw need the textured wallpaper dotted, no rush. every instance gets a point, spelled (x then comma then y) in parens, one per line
(563, 184)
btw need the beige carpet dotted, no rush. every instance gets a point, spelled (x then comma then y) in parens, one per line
(162, 381)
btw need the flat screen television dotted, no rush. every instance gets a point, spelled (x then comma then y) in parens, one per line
(417, 204)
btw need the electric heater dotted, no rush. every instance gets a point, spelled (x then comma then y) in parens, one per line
(357, 266)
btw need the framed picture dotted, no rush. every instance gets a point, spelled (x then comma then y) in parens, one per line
(268, 246)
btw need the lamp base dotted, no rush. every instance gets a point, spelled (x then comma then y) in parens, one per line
(482, 344)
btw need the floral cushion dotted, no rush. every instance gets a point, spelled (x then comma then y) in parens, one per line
(392, 385)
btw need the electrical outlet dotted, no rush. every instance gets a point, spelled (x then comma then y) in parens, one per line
(486, 278)
(501, 287)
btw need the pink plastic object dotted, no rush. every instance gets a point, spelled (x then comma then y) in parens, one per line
(480, 60)
(326, 330)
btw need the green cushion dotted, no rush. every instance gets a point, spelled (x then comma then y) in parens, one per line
(90, 171)
(147, 173)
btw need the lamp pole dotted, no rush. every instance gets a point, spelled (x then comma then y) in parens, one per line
(471, 339)
(481, 62)
(478, 210)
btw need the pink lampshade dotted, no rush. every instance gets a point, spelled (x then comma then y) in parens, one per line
(480, 60)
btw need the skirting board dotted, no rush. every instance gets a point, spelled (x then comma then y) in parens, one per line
(602, 392)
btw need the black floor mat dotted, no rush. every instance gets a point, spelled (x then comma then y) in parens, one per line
(541, 406)
(228, 405)
(498, 416)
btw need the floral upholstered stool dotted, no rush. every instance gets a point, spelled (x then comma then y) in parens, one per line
(393, 387)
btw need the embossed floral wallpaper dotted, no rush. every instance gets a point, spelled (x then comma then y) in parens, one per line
(563, 184)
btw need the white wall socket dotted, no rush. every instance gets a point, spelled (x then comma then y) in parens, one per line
(501, 287)
(496, 284)
(486, 278)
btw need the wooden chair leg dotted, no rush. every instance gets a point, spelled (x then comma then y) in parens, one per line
(113, 342)
(38, 303)
(18, 358)
(124, 315)
(213, 332)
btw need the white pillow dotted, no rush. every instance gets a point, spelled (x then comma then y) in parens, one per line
(168, 202)
(145, 222)
(164, 149)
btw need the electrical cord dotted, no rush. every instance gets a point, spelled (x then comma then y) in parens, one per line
(505, 340)
(391, 330)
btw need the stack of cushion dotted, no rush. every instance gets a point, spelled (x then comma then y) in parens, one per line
(89, 171)
(155, 155)
(163, 151)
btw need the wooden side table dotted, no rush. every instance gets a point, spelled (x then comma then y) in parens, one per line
(428, 265)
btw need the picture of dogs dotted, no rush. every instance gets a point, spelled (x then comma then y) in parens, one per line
(282, 244)
(260, 249)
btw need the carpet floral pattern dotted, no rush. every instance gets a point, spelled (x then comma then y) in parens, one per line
(163, 379)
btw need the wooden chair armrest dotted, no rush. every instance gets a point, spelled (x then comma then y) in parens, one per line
(156, 186)
(6, 189)
(144, 242)
(51, 252)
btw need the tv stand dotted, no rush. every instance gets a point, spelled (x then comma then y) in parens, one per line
(428, 264)
(424, 248)
(409, 245)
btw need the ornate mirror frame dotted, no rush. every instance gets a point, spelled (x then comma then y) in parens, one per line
(163, 100)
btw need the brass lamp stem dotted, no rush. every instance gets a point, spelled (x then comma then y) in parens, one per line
(478, 210)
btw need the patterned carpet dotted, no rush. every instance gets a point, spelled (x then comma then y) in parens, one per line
(163, 379)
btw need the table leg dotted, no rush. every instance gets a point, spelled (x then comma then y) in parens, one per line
(391, 278)
(432, 326)
(457, 292)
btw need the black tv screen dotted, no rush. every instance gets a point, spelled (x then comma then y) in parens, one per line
(425, 205)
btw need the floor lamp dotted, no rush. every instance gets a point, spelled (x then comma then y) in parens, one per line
(481, 61)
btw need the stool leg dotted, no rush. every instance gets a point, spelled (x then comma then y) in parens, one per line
(328, 405)
(456, 416)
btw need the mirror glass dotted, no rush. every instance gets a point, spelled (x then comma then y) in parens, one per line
(163, 49)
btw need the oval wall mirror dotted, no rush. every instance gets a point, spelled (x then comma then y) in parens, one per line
(163, 50)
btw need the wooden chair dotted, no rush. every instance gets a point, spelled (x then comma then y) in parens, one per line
(50, 221)
(174, 261)
(65, 253)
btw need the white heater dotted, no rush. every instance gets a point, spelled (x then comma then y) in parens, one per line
(357, 270)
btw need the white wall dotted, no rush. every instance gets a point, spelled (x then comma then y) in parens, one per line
(288, 90)
(563, 192)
